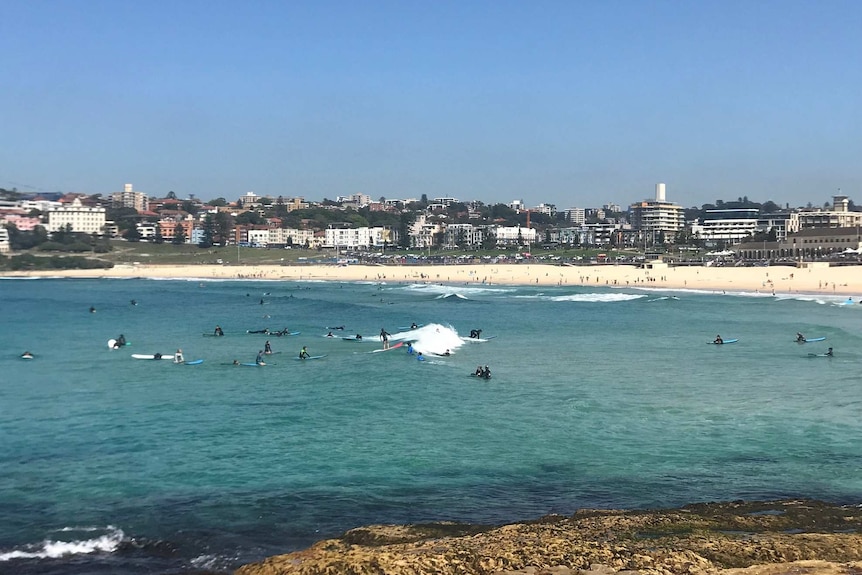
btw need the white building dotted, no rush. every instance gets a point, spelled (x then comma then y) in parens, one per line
(290, 236)
(547, 209)
(129, 198)
(729, 226)
(250, 200)
(5, 244)
(359, 238)
(423, 232)
(78, 218)
(515, 235)
(576, 215)
(655, 217)
(839, 216)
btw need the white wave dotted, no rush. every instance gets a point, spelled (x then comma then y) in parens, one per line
(51, 549)
(438, 289)
(597, 297)
(450, 295)
(433, 338)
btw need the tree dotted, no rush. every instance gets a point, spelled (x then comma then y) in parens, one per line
(132, 234)
(158, 238)
(171, 195)
(218, 202)
(189, 207)
(179, 235)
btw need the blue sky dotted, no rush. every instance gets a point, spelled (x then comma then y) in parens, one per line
(576, 103)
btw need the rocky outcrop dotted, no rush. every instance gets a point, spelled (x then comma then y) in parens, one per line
(739, 538)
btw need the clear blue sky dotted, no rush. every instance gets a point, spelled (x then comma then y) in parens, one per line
(576, 103)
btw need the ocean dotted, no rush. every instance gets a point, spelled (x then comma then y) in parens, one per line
(599, 398)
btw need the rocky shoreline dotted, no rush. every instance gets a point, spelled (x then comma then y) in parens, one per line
(769, 537)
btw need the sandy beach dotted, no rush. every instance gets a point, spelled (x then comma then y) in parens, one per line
(845, 280)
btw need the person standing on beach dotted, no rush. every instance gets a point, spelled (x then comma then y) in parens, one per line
(384, 337)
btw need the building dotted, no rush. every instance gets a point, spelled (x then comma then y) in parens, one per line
(656, 218)
(360, 238)
(810, 244)
(463, 236)
(782, 223)
(250, 200)
(515, 235)
(77, 218)
(129, 198)
(839, 217)
(547, 209)
(729, 226)
(576, 216)
(5, 243)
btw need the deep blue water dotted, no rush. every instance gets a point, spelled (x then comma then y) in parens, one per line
(599, 398)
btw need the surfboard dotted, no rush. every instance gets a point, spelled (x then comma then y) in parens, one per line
(194, 362)
(409, 327)
(26, 356)
(478, 340)
(212, 335)
(390, 348)
(351, 339)
(279, 334)
(810, 339)
(479, 376)
(309, 357)
(819, 355)
(248, 364)
(169, 356)
(113, 342)
(725, 341)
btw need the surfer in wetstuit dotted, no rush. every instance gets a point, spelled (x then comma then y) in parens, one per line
(384, 337)
(178, 356)
(259, 359)
(799, 337)
(218, 331)
(829, 352)
(475, 333)
(267, 348)
(303, 353)
(718, 340)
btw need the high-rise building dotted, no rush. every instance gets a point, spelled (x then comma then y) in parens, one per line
(129, 198)
(654, 217)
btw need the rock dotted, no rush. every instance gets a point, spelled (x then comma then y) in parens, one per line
(737, 538)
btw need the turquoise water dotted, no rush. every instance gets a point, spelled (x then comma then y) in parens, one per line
(599, 398)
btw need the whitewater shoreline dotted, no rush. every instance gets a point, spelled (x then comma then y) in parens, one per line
(773, 280)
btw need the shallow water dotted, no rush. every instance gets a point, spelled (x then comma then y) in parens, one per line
(599, 398)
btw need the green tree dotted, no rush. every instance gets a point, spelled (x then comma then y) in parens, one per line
(171, 195)
(218, 203)
(179, 235)
(132, 234)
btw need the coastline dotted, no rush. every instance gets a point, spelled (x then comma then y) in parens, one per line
(774, 280)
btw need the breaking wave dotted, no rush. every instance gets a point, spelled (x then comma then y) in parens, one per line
(72, 542)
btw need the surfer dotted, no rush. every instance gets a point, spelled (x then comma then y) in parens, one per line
(303, 353)
(358, 336)
(800, 338)
(264, 330)
(486, 373)
(92, 309)
(419, 356)
(475, 333)
(384, 337)
(330, 334)
(829, 352)
(259, 359)
(133, 302)
(479, 371)
(410, 348)
(267, 348)
(26, 355)
(718, 340)
(178, 356)
(120, 342)
(413, 325)
(218, 331)
(157, 356)
(339, 327)
(236, 362)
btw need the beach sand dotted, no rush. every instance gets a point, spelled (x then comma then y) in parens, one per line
(844, 280)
